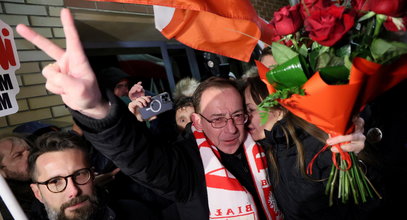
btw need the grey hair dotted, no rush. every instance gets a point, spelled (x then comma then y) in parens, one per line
(15, 141)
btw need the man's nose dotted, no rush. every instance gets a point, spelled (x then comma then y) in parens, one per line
(231, 126)
(72, 189)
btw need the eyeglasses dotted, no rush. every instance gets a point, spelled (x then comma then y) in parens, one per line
(58, 184)
(220, 122)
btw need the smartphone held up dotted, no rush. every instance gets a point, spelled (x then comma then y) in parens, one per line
(159, 104)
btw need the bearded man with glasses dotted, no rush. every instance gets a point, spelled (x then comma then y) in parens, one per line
(62, 179)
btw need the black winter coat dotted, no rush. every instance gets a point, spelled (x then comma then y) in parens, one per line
(175, 172)
(301, 198)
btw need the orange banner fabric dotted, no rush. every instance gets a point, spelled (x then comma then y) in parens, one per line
(223, 27)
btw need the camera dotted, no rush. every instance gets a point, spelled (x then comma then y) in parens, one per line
(159, 104)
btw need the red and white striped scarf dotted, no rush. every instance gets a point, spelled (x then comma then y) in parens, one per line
(227, 198)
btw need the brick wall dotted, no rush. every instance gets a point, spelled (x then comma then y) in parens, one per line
(35, 103)
(266, 8)
(109, 6)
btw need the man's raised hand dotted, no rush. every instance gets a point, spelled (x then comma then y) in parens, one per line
(71, 75)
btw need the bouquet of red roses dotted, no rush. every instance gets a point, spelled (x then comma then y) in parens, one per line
(332, 58)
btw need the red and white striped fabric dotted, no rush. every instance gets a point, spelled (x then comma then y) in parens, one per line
(227, 198)
(230, 28)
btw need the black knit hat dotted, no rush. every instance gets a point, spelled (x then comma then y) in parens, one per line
(109, 77)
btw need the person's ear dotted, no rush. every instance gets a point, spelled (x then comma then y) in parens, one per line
(36, 191)
(196, 120)
(279, 114)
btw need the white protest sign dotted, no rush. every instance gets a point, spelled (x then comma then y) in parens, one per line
(9, 63)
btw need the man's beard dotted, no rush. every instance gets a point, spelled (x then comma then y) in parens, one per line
(82, 213)
(17, 175)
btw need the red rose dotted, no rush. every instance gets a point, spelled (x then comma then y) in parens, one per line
(287, 20)
(394, 8)
(274, 36)
(277, 38)
(329, 25)
(307, 6)
(316, 4)
(360, 5)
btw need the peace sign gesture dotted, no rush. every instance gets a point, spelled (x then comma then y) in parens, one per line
(71, 75)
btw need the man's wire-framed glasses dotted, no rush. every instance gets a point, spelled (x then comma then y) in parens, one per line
(220, 122)
(58, 184)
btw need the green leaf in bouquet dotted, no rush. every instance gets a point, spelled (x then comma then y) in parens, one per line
(343, 51)
(348, 62)
(367, 16)
(282, 53)
(303, 50)
(316, 50)
(335, 75)
(313, 55)
(384, 51)
(271, 100)
(329, 58)
(263, 117)
(317, 46)
(322, 49)
(362, 39)
(380, 19)
(321, 59)
(288, 74)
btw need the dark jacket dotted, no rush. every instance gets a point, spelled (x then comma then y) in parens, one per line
(174, 171)
(299, 197)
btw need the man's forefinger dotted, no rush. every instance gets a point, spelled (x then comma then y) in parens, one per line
(73, 42)
(41, 42)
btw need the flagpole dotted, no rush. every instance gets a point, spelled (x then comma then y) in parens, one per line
(8, 197)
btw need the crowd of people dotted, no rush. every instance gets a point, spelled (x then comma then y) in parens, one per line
(210, 157)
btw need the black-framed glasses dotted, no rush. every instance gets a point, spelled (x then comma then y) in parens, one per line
(220, 122)
(58, 184)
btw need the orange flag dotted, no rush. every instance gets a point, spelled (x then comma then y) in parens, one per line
(223, 27)
(330, 107)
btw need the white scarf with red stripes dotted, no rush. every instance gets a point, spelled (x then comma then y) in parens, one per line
(227, 198)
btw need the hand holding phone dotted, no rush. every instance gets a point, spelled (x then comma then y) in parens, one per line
(159, 104)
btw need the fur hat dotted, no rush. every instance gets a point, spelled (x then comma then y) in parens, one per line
(185, 87)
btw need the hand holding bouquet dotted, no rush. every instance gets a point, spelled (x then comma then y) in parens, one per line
(333, 57)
